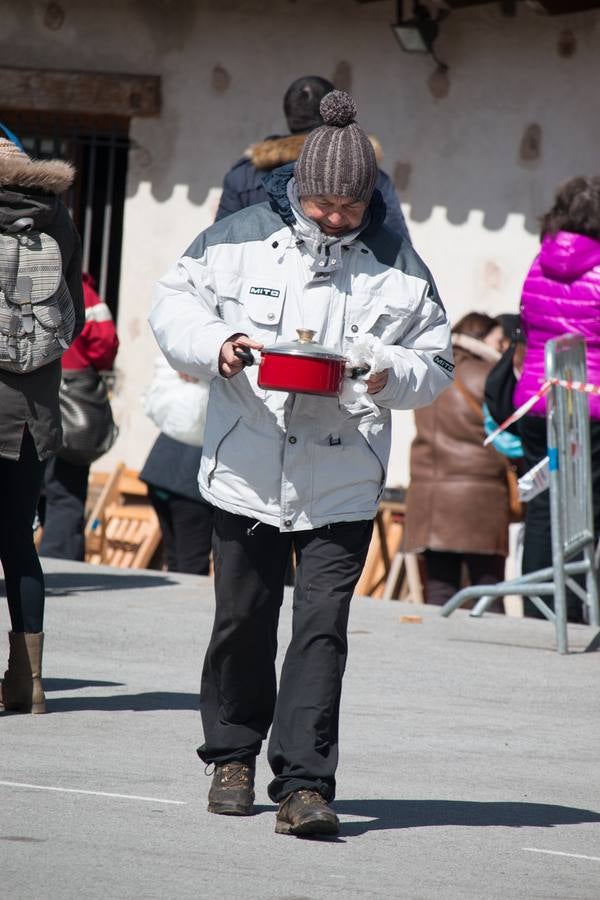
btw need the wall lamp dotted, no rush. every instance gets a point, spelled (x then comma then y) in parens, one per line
(418, 34)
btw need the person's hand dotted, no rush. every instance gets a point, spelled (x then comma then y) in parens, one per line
(229, 364)
(377, 381)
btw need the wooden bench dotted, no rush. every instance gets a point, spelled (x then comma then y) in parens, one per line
(122, 528)
(389, 573)
(131, 536)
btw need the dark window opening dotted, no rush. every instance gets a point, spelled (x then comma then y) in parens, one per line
(98, 148)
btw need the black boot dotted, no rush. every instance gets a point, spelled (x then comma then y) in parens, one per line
(232, 789)
(306, 813)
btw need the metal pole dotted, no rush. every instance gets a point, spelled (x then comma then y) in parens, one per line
(89, 201)
(555, 508)
(591, 585)
(108, 204)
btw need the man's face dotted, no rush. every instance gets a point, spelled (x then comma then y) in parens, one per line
(334, 215)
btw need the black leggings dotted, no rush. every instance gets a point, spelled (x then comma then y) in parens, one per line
(20, 484)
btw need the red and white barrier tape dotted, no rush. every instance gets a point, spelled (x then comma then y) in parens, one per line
(580, 386)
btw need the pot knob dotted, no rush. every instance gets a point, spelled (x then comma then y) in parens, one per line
(305, 335)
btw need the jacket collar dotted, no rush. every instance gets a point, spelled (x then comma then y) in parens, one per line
(566, 255)
(276, 182)
(325, 250)
(278, 151)
(17, 204)
(50, 175)
(476, 347)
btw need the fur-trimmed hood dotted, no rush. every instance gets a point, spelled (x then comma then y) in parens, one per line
(476, 347)
(50, 175)
(277, 151)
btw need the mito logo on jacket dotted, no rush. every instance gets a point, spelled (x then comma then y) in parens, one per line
(444, 364)
(265, 292)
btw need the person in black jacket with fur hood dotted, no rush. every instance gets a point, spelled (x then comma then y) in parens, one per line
(30, 424)
(243, 185)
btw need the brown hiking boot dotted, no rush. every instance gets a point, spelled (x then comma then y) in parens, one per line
(22, 690)
(232, 790)
(306, 813)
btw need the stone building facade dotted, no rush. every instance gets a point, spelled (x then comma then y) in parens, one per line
(475, 153)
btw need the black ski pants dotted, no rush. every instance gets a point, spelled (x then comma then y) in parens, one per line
(239, 698)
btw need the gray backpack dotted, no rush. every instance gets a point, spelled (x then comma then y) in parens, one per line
(37, 317)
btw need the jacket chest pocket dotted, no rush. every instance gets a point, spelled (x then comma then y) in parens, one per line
(382, 318)
(254, 305)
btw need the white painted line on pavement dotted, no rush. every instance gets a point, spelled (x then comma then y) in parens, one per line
(43, 787)
(560, 853)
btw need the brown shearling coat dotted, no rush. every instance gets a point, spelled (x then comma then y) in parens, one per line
(458, 498)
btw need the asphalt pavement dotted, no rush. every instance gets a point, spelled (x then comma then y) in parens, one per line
(470, 759)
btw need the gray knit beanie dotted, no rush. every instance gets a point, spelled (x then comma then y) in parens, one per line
(337, 158)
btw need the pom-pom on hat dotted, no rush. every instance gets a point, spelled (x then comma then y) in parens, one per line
(337, 158)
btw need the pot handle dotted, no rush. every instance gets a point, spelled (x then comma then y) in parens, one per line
(359, 371)
(245, 355)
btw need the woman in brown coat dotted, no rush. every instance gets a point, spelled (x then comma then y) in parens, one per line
(30, 424)
(457, 502)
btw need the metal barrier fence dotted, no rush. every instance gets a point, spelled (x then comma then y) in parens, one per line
(571, 507)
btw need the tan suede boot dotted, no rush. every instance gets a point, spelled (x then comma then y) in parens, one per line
(22, 689)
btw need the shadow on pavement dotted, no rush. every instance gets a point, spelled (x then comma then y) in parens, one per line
(146, 702)
(391, 814)
(550, 647)
(73, 684)
(63, 583)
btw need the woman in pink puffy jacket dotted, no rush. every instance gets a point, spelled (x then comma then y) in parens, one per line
(561, 295)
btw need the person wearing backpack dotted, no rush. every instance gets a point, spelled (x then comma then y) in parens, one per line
(41, 313)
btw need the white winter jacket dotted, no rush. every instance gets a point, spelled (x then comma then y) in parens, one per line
(297, 461)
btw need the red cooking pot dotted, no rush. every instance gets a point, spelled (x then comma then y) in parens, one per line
(302, 366)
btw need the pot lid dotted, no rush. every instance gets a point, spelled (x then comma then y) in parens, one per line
(304, 345)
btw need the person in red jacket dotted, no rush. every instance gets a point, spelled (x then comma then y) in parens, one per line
(98, 343)
(65, 484)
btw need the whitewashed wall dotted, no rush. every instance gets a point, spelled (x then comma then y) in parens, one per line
(470, 199)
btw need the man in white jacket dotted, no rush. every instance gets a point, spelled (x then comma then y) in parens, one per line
(296, 470)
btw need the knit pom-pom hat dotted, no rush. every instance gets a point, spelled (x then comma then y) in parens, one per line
(337, 158)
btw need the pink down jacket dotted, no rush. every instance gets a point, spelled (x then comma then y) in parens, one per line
(561, 295)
